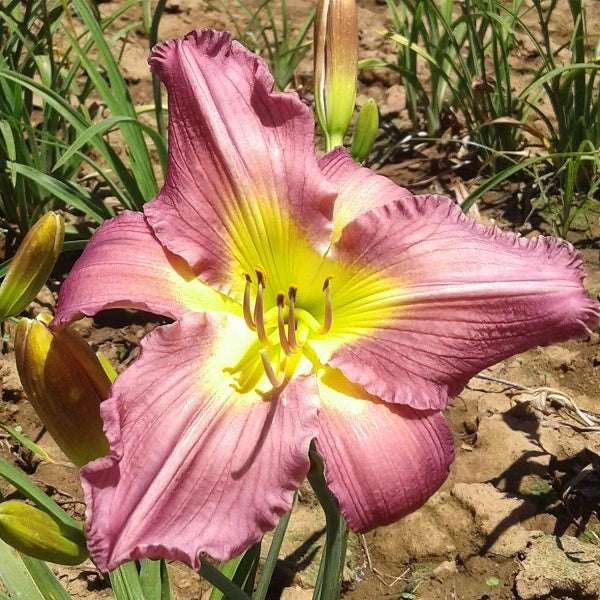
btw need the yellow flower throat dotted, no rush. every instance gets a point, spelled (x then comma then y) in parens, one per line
(285, 327)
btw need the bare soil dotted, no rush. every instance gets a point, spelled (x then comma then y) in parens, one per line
(518, 515)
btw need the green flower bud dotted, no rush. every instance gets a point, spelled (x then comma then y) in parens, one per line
(365, 130)
(35, 533)
(336, 67)
(32, 264)
(65, 383)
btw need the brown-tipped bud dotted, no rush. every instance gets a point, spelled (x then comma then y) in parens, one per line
(35, 533)
(65, 383)
(32, 264)
(336, 67)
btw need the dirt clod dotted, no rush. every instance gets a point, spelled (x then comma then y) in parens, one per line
(559, 567)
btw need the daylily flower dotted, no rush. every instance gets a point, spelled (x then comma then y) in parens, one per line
(312, 300)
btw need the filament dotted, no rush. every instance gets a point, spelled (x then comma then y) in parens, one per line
(247, 310)
(259, 317)
(291, 336)
(328, 312)
(285, 346)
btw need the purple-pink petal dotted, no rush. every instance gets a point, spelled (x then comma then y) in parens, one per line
(360, 190)
(194, 467)
(241, 166)
(462, 296)
(382, 461)
(125, 266)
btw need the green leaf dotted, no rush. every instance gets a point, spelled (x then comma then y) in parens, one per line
(333, 559)
(103, 127)
(125, 582)
(41, 572)
(11, 150)
(154, 580)
(228, 569)
(492, 581)
(272, 556)
(219, 581)
(116, 95)
(27, 578)
(131, 197)
(25, 441)
(68, 192)
(29, 490)
(241, 570)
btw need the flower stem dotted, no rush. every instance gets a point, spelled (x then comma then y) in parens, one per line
(332, 140)
(329, 579)
(271, 560)
(221, 582)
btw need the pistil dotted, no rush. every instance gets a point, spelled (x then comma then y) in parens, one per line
(275, 382)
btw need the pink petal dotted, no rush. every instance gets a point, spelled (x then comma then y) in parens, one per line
(382, 461)
(360, 189)
(194, 467)
(241, 165)
(124, 265)
(460, 297)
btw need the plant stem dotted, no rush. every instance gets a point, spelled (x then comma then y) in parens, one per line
(329, 579)
(332, 140)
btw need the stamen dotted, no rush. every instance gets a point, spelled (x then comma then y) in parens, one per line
(259, 317)
(247, 310)
(328, 313)
(281, 324)
(261, 275)
(291, 336)
(269, 369)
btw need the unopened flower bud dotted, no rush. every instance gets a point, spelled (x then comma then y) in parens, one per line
(32, 264)
(365, 130)
(336, 67)
(65, 383)
(35, 533)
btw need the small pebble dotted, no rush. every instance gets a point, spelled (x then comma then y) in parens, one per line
(445, 569)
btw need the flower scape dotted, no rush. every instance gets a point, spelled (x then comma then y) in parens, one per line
(312, 300)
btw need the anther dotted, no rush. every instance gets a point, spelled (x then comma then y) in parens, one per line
(269, 369)
(291, 336)
(247, 310)
(328, 312)
(259, 307)
(285, 346)
(261, 276)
